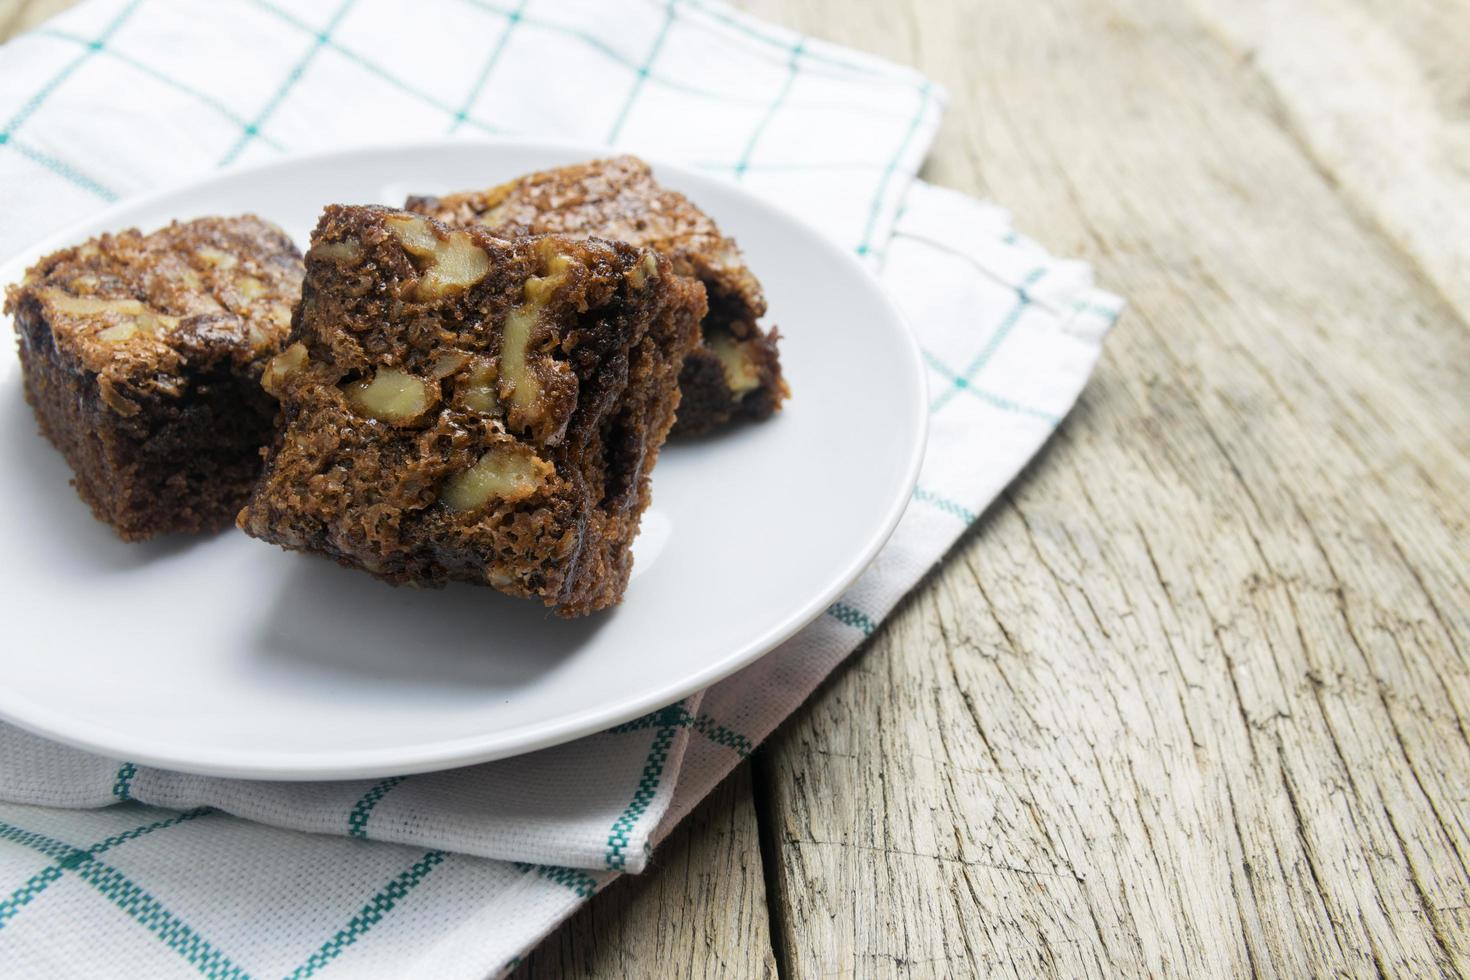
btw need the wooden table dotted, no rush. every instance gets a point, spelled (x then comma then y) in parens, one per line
(1192, 698)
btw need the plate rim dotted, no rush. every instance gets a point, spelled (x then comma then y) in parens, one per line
(472, 750)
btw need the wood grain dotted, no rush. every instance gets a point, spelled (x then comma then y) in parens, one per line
(1191, 699)
(1377, 93)
(21, 15)
(699, 913)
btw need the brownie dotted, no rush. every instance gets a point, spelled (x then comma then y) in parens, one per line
(460, 407)
(735, 371)
(142, 357)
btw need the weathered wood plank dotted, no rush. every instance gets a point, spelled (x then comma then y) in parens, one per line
(1376, 91)
(699, 912)
(1192, 699)
(17, 16)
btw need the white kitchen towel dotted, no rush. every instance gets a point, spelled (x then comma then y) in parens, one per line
(457, 874)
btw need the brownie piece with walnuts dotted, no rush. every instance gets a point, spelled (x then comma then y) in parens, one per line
(735, 371)
(142, 356)
(460, 407)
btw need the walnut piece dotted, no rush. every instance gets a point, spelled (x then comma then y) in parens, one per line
(393, 396)
(641, 273)
(521, 384)
(517, 382)
(450, 362)
(508, 473)
(92, 305)
(343, 253)
(220, 260)
(281, 367)
(742, 374)
(125, 318)
(451, 263)
(260, 337)
(119, 333)
(250, 288)
(479, 393)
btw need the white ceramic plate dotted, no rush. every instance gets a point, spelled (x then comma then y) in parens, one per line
(225, 656)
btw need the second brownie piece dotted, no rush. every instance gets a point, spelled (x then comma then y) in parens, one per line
(735, 371)
(462, 407)
(142, 357)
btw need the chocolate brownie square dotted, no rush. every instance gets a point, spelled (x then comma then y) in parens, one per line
(142, 356)
(735, 371)
(460, 407)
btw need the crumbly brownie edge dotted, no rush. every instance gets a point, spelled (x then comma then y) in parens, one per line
(630, 440)
(710, 404)
(180, 466)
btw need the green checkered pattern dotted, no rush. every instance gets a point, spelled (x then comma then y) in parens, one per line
(458, 874)
(243, 120)
(185, 942)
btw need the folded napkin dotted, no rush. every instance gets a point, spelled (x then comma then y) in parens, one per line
(110, 867)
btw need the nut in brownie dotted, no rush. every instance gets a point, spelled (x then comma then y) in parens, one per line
(142, 356)
(459, 407)
(735, 371)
